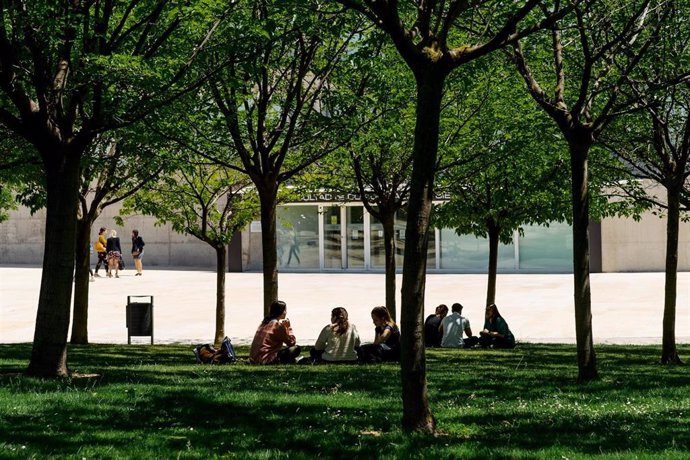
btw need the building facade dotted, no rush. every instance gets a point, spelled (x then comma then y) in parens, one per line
(324, 233)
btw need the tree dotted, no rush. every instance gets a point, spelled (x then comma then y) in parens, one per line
(422, 32)
(113, 170)
(70, 71)
(274, 106)
(592, 55)
(18, 164)
(211, 203)
(512, 176)
(655, 144)
(378, 154)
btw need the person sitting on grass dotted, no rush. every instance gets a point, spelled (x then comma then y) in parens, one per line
(337, 341)
(432, 325)
(496, 333)
(386, 346)
(273, 332)
(452, 328)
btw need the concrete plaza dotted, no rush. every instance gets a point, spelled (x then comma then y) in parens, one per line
(626, 307)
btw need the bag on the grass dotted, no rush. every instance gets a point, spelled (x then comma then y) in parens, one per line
(208, 354)
(228, 351)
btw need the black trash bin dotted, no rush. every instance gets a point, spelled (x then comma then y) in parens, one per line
(139, 317)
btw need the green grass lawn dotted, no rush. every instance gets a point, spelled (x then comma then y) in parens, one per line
(153, 402)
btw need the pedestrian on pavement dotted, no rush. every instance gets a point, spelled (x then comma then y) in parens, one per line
(137, 251)
(114, 254)
(100, 246)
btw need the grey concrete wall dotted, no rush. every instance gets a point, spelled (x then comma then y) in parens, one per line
(22, 235)
(253, 246)
(629, 246)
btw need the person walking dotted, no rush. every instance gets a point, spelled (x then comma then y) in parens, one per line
(114, 254)
(137, 251)
(294, 248)
(100, 246)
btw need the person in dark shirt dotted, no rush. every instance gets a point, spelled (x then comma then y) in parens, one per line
(137, 251)
(114, 251)
(386, 346)
(496, 333)
(432, 333)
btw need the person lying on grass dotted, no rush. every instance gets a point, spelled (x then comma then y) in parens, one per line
(273, 332)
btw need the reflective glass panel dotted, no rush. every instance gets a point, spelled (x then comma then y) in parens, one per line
(298, 236)
(547, 248)
(378, 253)
(377, 248)
(467, 252)
(355, 236)
(332, 256)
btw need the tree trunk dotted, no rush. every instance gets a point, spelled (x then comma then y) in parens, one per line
(221, 255)
(586, 359)
(49, 352)
(417, 414)
(80, 333)
(268, 197)
(494, 232)
(669, 353)
(388, 221)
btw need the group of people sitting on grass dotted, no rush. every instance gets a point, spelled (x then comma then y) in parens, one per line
(338, 342)
(446, 331)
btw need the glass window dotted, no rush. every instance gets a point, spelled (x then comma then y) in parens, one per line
(332, 241)
(298, 236)
(467, 252)
(399, 230)
(355, 236)
(377, 248)
(547, 248)
(378, 252)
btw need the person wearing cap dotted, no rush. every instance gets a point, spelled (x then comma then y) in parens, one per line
(452, 328)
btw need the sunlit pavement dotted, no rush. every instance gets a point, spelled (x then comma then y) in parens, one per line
(626, 307)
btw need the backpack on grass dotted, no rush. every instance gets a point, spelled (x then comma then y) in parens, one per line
(208, 354)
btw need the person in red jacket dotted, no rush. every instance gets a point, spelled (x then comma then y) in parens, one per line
(274, 332)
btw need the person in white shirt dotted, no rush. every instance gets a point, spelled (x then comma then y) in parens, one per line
(452, 328)
(337, 341)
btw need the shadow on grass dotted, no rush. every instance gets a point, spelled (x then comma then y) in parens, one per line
(489, 403)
